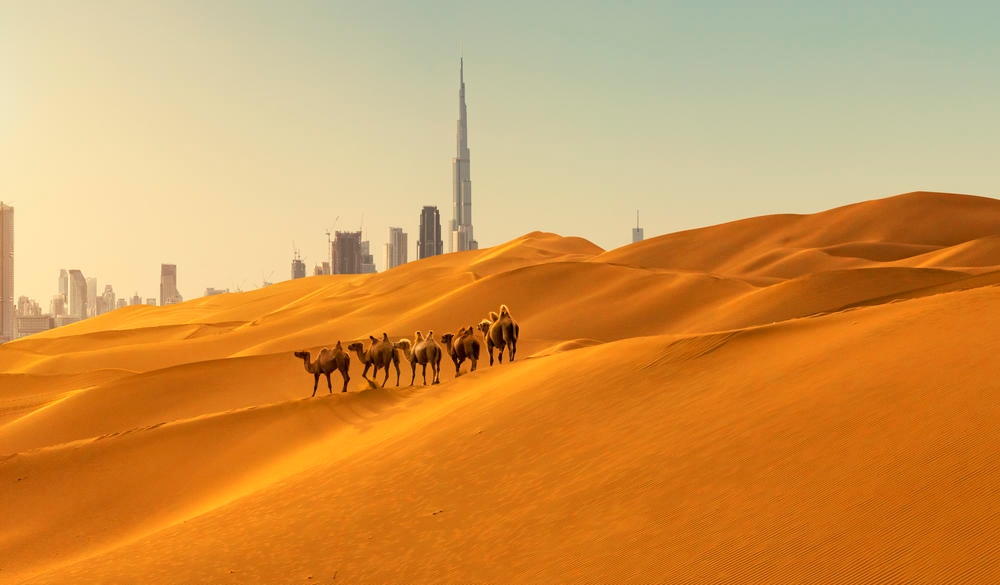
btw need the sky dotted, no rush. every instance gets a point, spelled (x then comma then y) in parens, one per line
(224, 136)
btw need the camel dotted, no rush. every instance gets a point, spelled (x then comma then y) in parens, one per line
(380, 354)
(502, 333)
(328, 361)
(462, 346)
(423, 352)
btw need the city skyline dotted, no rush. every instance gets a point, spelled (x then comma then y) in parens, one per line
(212, 137)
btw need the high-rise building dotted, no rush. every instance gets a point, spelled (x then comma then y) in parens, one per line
(136, 299)
(7, 312)
(120, 303)
(106, 302)
(92, 297)
(58, 305)
(64, 283)
(395, 248)
(151, 301)
(460, 238)
(347, 253)
(636, 231)
(77, 295)
(168, 285)
(429, 244)
(367, 259)
(298, 267)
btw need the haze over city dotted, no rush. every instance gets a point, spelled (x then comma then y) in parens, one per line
(219, 137)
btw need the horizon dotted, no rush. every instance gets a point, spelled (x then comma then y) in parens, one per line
(161, 132)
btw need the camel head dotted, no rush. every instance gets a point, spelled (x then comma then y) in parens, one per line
(356, 346)
(446, 338)
(403, 344)
(302, 354)
(484, 326)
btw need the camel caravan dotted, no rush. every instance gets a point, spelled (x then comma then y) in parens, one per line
(498, 332)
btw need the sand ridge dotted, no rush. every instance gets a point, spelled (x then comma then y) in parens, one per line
(781, 399)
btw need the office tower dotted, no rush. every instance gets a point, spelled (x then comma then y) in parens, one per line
(395, 248)
(460, 238)
(120, 303)
(136, 299)
(151, 301)
(636, 231)
(58, 304)
(64, 283)
(7, 312)
(168, 285)
(298, 267)
(92, 297)
(367, 259)
(106, 302)
(347, 253)
(77, 295)
(429, 244)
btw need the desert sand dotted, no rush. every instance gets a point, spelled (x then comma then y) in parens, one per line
(783, 399)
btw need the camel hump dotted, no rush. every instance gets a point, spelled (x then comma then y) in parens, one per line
(385, 336)
(372, 338)
(339, 345)
(430, 334)
(504, 311)
(493, 316)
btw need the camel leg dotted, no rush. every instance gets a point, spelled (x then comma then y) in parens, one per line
(474, 360)
(423, 372)
(489, 347)
(347, 378)
(328, 384)
(315, 383)
(395, 362)
(413, 372)
(386, 379)
(364, 374)
(500, 348)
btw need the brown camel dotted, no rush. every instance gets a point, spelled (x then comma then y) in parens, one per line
(380, 354)
(328, 361)
(423, 352)
(502, 333)
(462, 346)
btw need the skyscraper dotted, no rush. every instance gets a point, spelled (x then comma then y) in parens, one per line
(298, 267)
(7, 312)
(77, 295)
(92, 296)
(168, 285)
(395, 248)
(636, 231)
(429, 244)
(460, 238)
(347, 252)
(367, 259)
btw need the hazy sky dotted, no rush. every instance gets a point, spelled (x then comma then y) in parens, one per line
(218, 135)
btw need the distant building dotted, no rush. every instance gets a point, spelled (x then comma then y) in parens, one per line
(151, 301)
(64, 283)
(168, 285)
(31, 324)
(215, 291)
(58, 304)
(367, 260)
(120, 303)
(298, 267)
(429, 244)
(7, 322)
(77, 295)
(136, 299)
(60, 320)
(347, 253)
(27, 307)
(636, 231)
(106, 302)
(461, 239)
(91, 297)
(395, 248)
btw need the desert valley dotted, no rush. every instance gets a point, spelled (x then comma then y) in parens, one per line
(782, 399)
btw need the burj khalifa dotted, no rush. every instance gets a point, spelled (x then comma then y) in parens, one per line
(461, 223)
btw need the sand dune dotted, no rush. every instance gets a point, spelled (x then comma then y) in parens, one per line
(781, 399)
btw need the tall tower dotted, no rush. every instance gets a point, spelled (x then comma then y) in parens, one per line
(461, 224)
(636, 231)
(395, 248)
(429, 244)
(77, 294)
(168, 285)
(6, 272)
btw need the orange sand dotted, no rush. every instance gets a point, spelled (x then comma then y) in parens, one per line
(784, 399)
